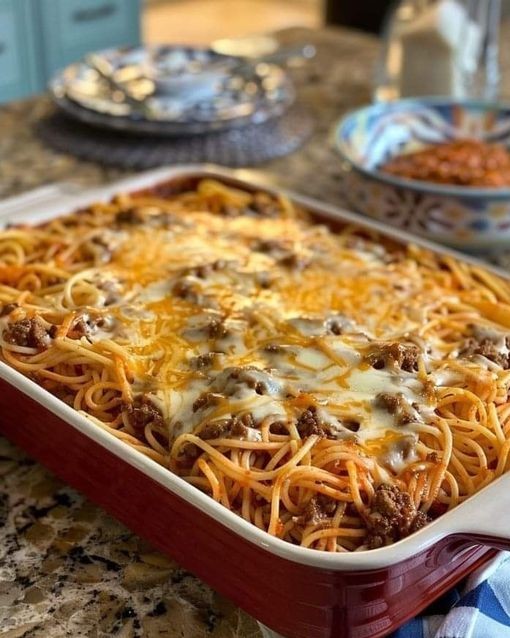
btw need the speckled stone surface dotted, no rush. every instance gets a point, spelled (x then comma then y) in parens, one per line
(66, 568)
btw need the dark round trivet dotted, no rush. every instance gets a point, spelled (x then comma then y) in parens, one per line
(248, 146)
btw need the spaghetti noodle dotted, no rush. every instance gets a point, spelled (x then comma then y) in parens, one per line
(334, 389)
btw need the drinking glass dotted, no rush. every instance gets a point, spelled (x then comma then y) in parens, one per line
(458, 48)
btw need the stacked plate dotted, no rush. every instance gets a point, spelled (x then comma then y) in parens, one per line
(171, 90)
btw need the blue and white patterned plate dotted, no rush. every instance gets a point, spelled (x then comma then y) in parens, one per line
(470, 218)
(177, 90)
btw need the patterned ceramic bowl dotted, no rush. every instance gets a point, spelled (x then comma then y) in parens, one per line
(475, 219)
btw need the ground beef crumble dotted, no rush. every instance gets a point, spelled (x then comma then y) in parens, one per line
(279, 428)
(142, 412)
(129, 215)
(7, 309)
(399, 355)
(397, 405)
(318, 508)
(392, 517)
(216, 329)
(310, 422)
(263, 205)
(206, 360)
(234, 427)
(206, 400)
(85, 325)
(182, 289)
(206, 270)
(488, 349)
(336, 325)
(29, 333)
(294, 261)
(273, 247)
(147, 215)
(188, 290)
(273, 348)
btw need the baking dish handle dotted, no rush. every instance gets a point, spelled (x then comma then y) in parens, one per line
(485, 517)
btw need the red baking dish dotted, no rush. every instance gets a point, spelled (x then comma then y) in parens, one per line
(297, 592)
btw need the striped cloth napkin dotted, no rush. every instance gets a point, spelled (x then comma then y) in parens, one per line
(478, 608)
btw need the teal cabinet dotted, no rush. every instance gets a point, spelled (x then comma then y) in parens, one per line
(38, 37)
(19, 68)
(71, 28)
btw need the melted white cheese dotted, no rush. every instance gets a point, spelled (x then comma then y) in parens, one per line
(342, 392)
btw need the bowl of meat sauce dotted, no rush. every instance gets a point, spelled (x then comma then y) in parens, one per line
(437, 167)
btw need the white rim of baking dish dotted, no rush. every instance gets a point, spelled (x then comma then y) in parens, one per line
(480, 515)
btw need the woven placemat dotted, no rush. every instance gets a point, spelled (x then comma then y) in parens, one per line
(246, 146)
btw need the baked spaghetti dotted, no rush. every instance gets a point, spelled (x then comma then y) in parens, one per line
(335, 389)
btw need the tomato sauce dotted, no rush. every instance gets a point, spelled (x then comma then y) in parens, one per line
(462, 162)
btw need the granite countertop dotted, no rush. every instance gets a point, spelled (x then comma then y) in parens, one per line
(66, 567)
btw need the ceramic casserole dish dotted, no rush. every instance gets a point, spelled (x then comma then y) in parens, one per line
(294, 591)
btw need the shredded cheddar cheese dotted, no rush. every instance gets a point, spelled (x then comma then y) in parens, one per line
(334, 389)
